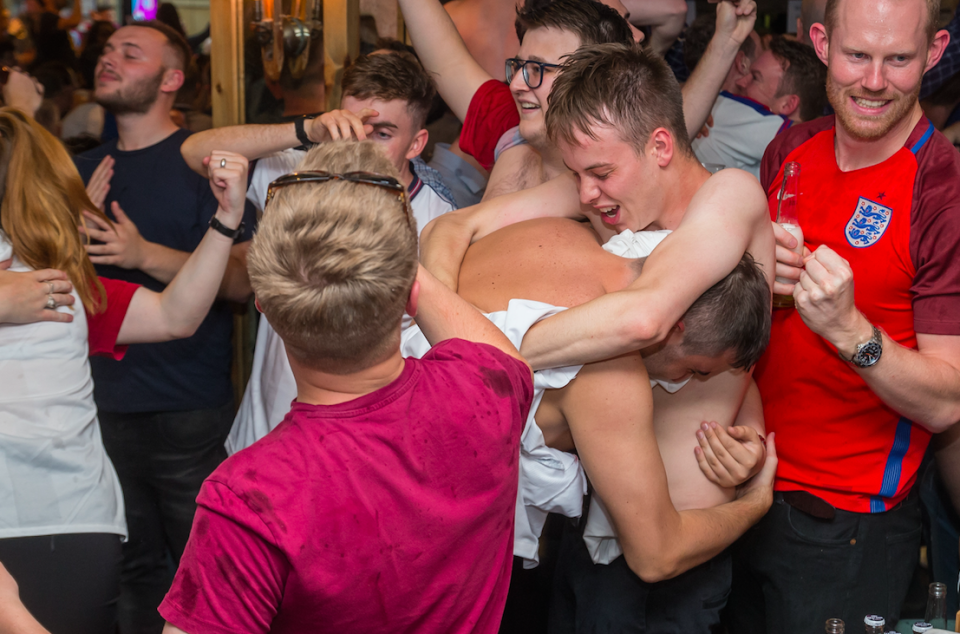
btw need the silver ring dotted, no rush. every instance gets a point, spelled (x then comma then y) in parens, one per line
(223, 162)
(51, 287)
(51, 303)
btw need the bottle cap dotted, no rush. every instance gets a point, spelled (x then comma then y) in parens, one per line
(922, 627)
(874, 620)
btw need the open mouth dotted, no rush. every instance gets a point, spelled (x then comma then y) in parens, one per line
(870, 104)
(610, 215)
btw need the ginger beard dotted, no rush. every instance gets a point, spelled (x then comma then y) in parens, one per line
(869, 127)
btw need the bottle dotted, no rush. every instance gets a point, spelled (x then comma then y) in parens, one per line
(787, 218)
(874, 623)
(936, 614)
(922, 627)
(835, 626)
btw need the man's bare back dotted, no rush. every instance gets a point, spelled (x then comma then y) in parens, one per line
(561, 262)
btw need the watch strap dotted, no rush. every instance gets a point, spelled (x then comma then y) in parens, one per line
(222, 229)
(299, 126)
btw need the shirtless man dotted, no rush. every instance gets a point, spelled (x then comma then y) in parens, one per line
(547, 35)
(616, 115)
(605, 414)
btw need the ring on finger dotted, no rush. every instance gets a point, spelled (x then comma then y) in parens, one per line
(223, 162)
(51, 288)
(51, 303)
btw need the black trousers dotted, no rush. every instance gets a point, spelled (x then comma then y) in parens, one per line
(70, 583)
(594, 598)
(793, 571)
(162, 459)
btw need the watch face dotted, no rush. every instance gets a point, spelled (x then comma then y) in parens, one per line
(868, 354)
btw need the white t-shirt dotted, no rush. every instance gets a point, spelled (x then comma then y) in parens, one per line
(55, 476)
(742, 129)
(271, 387)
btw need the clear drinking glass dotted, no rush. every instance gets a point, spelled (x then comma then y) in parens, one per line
(787, 218)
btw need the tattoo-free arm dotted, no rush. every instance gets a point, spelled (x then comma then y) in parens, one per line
(724, 218)
(445, 240)
(252, 141)
(610, 413)
(443, 53)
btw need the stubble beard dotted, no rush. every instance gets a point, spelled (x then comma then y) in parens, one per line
(138, 99)
(868, 128)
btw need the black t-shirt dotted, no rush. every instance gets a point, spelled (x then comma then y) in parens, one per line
(171, 205)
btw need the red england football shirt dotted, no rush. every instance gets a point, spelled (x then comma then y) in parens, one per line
(898, 224)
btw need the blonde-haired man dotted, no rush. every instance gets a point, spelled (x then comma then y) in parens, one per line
(383, 501)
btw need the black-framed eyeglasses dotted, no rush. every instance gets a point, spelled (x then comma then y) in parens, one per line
(532, 70)
(363, 178)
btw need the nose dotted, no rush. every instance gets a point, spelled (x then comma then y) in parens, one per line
(873, 78)
(517, 84)
(638, 35)
(589, 192)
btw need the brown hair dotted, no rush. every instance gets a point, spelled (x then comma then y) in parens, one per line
(933, 17)
(389, 75)
(332, 263)
(42, 200)
(618, 85)
(734, 314)
(176, 42)
(804, 75)
(593, 22)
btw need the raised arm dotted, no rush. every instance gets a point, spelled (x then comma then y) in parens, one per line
(727, 217)
(445, 240)
(665, 17)
(442, 314)
(609, 410)
(178, 311)
(443, 53)
(734, 24)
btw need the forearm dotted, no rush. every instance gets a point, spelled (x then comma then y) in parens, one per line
(692, 538)
(252, 141)
(701, 89)
(442, 315)
(443, 53)
(604, 328)
(663, 35)
(919, 385)
(15, 619)
(443, 243)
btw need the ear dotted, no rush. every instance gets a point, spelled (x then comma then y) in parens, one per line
(820, 41)
(256, 303)
(790, 107)
(416, 146)
(675, 335)
(935, 52)
(801, 36)
(172, 80)
(661, 143)
(741, 63)
(413, 299)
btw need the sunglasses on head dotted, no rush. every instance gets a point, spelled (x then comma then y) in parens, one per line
(362, 178)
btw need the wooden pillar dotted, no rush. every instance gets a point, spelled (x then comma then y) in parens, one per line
(226, 62)
(341, 39)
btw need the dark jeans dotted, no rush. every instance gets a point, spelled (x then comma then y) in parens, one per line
(70, 583)
(943, 525)
(162, 459)
(792, 571)
(594, 598)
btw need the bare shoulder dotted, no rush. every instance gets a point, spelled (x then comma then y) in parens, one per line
(518, 168)
(732, 193)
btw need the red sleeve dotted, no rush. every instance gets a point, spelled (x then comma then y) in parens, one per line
(232, 575)
(785, 143)
(492, 112)
(103, 328)
(500, 373)
(935, 239)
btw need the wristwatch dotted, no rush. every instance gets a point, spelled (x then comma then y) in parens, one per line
(298, 125)
(222, 229)
(868, 353)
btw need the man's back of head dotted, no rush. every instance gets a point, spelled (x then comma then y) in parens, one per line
(591, 21)
(333, 262)
(804, 75)
(621, 86)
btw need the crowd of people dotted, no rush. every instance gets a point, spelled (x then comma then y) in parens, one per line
(527, 379)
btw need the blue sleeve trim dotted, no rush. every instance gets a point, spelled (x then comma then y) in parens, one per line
(923, 140)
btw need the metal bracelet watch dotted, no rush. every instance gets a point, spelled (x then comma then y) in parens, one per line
(222, 229)
(867, 353)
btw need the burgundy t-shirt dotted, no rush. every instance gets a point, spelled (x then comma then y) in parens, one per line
(491, 113)
(390, 513)
(103, 328)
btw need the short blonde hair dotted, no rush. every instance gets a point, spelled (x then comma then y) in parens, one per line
(332, 263)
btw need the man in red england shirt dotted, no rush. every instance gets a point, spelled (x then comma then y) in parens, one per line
(857, 378)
